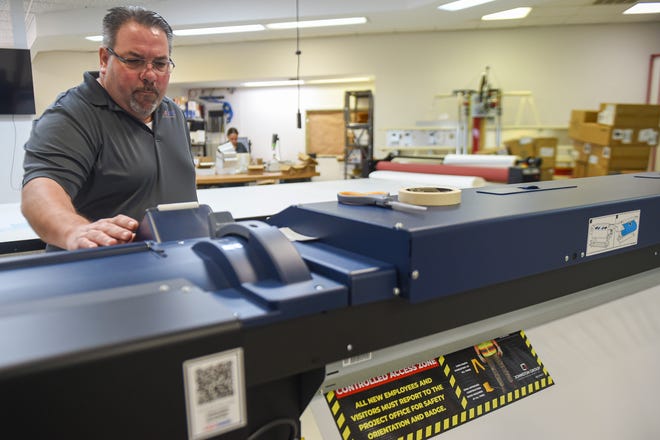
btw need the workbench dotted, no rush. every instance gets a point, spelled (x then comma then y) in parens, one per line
(242, 201)
(204, 181)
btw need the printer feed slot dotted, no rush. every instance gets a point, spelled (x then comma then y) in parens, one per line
(509, 190)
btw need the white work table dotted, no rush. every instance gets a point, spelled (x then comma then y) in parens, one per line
(262, 201)
(243, 202)
(13, 226)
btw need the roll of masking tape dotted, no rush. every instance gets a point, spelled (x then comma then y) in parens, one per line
(430, 196)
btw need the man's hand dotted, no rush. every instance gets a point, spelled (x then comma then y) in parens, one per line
(50, 212)
(104, 232)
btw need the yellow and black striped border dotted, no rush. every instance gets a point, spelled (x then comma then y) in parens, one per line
(340, 420)
(536, 356)
(464, 416)
(479, 410)
(452, 382)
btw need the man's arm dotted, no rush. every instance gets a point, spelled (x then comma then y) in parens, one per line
(50, 212)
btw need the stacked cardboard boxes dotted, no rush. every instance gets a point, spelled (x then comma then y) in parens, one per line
(544, 148)
(618, 138)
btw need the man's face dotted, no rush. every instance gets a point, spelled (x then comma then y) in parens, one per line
(140, 91)
(233, 138)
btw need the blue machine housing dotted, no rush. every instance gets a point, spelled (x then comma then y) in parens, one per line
(495, 235)
(251, 284)
(92, 331)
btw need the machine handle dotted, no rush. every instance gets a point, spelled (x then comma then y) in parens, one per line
(271, 243)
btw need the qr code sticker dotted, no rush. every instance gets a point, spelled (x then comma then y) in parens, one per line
(215, 393)
(214, 382)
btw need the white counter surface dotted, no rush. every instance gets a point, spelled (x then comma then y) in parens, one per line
(248, 201)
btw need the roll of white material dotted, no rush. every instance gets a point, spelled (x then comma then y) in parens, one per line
(430, 179)
(481, 160)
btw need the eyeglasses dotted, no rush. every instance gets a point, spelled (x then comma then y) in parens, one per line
(160, 66)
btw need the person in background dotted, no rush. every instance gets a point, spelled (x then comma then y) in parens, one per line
(232, 136)
(113, 146)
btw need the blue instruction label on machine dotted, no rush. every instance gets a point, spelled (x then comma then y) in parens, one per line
(611, 232)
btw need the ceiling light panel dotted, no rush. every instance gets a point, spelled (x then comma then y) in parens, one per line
(462, 4)
(279, 83)
(317, 23)
(511, 14)
(644, 8)
(219, 30)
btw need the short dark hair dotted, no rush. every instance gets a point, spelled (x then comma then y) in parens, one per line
(232, 130)
(117, 17)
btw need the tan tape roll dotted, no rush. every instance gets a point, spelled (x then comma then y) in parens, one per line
(430, 196)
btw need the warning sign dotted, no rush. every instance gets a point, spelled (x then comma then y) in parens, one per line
(428, 398)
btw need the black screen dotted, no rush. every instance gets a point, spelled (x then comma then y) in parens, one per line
(16, 89)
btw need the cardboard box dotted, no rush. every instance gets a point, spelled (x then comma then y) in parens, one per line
(595, 171)
(616, 136)
(582, 150)
(629, 115)
(547, 173)
(605, 160)
(603, 134)
(578, 117)
(544, 148)
(634, 158)
(617, 125)
(523, 147)
(580, 168)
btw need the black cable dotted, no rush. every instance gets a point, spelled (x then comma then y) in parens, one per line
(273, 423)
(298, 52)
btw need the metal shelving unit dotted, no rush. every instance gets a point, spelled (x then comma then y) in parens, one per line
(359, 133)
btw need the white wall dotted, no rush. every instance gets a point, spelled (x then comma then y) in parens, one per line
(55, 72)
(262, 112)
(14, 131)
(564, 67)
(258, 113)
(60, 71)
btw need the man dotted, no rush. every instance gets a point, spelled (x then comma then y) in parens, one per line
(113, 146)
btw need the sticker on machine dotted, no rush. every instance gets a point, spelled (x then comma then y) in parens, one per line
(611, 232)
(215, 394)
(431, 397)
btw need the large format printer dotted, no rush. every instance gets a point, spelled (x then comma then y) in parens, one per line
(105, 343)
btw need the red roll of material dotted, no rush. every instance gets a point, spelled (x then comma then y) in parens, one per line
(488, 173)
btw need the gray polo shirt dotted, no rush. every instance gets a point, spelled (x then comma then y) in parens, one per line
(106, 160)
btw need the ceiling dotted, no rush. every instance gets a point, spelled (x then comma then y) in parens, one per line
(63, 24)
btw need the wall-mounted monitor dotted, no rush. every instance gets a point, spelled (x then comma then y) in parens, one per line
(16, 88)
